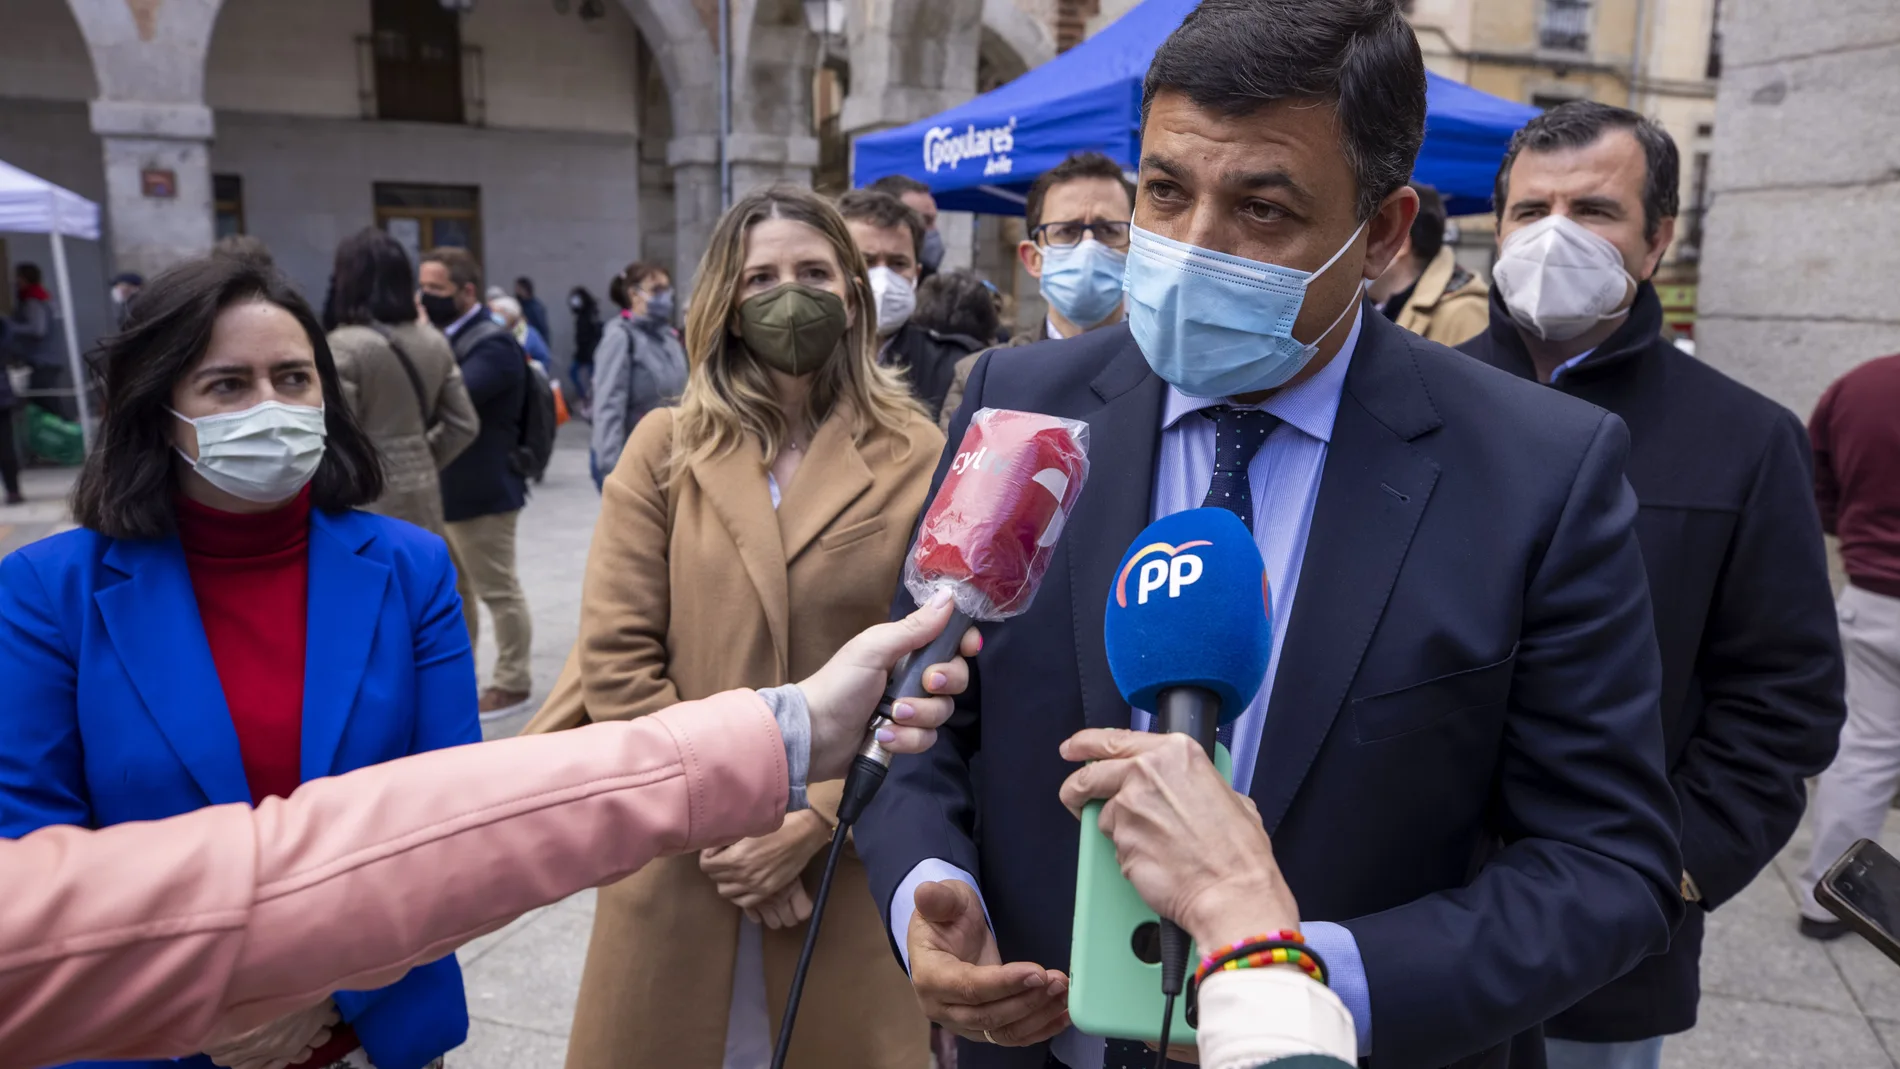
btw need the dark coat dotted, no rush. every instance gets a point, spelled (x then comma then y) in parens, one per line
(929, 360)
(483, 481)
(1751, 657)
(1461, 760)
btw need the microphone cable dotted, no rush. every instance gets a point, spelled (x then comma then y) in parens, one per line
(1174, 955)
(867, 774)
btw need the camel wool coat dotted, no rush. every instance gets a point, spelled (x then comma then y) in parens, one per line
(701, 587)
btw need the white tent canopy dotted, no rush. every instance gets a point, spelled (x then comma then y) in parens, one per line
(32, 205)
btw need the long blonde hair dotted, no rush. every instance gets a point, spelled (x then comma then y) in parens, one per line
(729, 394)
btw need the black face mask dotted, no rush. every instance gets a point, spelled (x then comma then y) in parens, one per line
(440, 310)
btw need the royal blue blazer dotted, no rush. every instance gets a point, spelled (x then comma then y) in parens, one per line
(111, 710)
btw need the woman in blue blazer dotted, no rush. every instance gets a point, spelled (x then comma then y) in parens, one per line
(225, 625)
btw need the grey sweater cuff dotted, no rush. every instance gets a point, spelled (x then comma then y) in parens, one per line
(794, 726)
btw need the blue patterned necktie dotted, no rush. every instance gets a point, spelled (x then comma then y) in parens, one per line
(1238, 435)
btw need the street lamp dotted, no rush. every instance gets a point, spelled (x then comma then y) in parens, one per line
(824, 17)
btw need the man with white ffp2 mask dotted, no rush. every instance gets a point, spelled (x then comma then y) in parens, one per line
(1751, 694)
(890, 235)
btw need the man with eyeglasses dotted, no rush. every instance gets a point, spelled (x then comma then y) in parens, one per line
(1077, 218)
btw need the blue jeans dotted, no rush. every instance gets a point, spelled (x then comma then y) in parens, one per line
(1570, 1054)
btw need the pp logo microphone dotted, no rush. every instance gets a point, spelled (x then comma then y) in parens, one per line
(1189, 609)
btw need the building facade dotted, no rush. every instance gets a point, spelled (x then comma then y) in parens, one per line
(557, 139)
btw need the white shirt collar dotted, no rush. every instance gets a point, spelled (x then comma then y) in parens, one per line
(467, 317)
(1310, 406)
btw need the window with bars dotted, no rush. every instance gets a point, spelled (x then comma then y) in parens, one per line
(1565, 26)
(418, 61)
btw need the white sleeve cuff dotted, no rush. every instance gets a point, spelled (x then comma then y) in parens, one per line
(1251, 1017)
(904, 901)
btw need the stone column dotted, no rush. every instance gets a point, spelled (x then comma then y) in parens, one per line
(1799, 260)
(757, 160)
(152, 122)
(911, 59)
(171, 142)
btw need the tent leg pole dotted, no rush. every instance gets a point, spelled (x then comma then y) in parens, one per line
(75, 366)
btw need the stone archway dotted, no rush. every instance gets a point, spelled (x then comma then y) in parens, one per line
(150, 115)
(1015, 41)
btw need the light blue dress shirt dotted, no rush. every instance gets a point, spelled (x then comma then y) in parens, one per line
(1285, 478)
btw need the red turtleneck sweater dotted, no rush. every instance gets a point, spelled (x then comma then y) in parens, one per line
(252, 577)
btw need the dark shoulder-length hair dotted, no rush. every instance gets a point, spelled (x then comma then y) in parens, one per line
(374, 280)
(127, 486)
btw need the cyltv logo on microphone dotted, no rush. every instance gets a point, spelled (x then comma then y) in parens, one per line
(1180, 569)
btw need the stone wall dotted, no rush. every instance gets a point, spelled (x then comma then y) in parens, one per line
(1800, 259)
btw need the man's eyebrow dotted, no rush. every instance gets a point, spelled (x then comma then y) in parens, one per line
(1164, 165)
(1600, 202)
(1272, 179)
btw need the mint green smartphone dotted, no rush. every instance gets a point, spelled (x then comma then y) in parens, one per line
(1114, 953)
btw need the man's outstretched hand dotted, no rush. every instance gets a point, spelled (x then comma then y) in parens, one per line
(963, 985)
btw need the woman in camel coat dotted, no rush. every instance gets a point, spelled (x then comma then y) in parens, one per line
(744, 537)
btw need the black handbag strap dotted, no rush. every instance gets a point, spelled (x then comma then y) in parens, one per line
(409, 368)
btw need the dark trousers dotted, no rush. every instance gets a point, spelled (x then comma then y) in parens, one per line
(9, 456)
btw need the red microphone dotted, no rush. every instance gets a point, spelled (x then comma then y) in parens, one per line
(993, 525)
(987, 537)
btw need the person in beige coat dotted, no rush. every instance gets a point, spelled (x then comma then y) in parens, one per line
(743, 537)
(399, 377)
(1426, 290)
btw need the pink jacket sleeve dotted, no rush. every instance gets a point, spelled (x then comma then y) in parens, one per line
(135, 941)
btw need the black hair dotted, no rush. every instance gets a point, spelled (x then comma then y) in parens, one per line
(1077, 165)
(373, 282)
(1234, 56)
(1428, 227)
(956, 302)
(885, 211)
(1580, 122)
(29, 272)
(898, 184)
(127, 487)
(525, 285)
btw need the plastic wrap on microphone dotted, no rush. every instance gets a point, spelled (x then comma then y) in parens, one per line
(992, 528)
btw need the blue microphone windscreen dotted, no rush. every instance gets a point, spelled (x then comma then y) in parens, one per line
(1190, 607)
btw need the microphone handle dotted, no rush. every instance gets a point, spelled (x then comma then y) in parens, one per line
(1195, 712)
(907, 681)
(1190, 711)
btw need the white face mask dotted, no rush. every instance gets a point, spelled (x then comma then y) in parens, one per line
(896, 299)
(264, 454)
(1559, 278)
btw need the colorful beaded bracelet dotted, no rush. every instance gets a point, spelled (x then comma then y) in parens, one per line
(1258, 952)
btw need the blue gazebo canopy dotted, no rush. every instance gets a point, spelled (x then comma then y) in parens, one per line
(981, 156)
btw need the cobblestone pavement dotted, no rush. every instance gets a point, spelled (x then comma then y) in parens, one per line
(1771, 998)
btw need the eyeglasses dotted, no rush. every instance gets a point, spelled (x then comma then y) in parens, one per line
(1068, 233)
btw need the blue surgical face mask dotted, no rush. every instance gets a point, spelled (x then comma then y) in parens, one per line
(1084, 281)
(660, 305)
(1214, 325)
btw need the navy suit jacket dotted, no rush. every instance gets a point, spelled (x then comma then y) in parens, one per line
(113, 711)
(1462, 757)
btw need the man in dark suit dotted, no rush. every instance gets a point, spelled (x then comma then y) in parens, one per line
(484, 489)
(1751, 658)
(1458, 750)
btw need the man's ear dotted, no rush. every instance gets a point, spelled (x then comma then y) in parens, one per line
(1389, 229)
(1652, 259)
(1030, 254)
